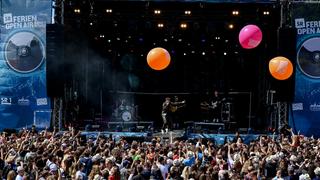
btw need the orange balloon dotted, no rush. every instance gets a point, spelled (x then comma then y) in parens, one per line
(280, 68)
(158, 58)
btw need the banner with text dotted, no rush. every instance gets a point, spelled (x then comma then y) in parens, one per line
(306, 106)
(23, 62)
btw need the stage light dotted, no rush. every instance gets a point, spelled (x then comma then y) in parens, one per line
(109, 40)
(184, 54)
(187, 12)
(179, 40)
(224, 53)
(183, 26)
(108, 10)
(109, 50)
(217, 37)
(230, 26)
(226, 41)
(203, 53)
(235, 13)
(141, 55)
(77, 11)
(192, 52)
(118, 38)
(166, 40)
(91, 23)
(160, 25)
(157, 11)
(101, 36)
(266, 13)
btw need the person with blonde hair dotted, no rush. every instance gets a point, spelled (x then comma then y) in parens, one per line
(11, 175)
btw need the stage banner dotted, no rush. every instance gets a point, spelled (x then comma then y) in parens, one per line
(23, 62)
(305, 114)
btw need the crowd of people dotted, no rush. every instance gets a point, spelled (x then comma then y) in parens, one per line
(29, 154)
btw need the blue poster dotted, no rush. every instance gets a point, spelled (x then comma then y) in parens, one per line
(305, 116)
(23, 63)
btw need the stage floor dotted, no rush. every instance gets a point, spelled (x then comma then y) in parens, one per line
(171, 136)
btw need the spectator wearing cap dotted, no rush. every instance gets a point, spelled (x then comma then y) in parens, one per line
(190, 160)
(80, 174)
(20, 172)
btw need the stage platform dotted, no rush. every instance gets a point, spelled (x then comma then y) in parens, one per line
(171, 136)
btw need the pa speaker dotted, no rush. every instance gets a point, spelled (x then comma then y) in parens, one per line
(286, 47)
(55, 64)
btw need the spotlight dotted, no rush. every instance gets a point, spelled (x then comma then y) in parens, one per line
(77, 11)
(187, 12)
(91, 23)
(184, 54)
(235, 13)
(183, 26)
(179, 40)
(225, 53)
(192, 52)
(230, 26)
(203, 53)
(217, 37)
(109, 40)
(101, 36)
(266, 13)
(108, 10)
(165, 40)
(160, 25)
(157, 11)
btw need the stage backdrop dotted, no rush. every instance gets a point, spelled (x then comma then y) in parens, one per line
(22, 63)
(305, 115)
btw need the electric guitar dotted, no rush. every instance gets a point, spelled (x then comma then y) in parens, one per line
(177, 105)
(211, 106)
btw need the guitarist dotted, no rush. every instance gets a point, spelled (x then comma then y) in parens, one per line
(215, 105)
(211, 109)
(175, 106)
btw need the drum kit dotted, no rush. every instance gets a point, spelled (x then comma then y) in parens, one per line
(126, 113)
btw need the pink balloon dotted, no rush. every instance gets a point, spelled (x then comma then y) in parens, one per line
(250, 36)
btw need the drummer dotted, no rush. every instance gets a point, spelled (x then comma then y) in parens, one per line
(124, 105)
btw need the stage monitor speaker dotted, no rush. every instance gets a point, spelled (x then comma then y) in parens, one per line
(55, 56)
(286, 47)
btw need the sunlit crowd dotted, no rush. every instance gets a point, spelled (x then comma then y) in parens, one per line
(29, 154)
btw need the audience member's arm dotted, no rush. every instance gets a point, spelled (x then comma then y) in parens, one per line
(1, 156)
